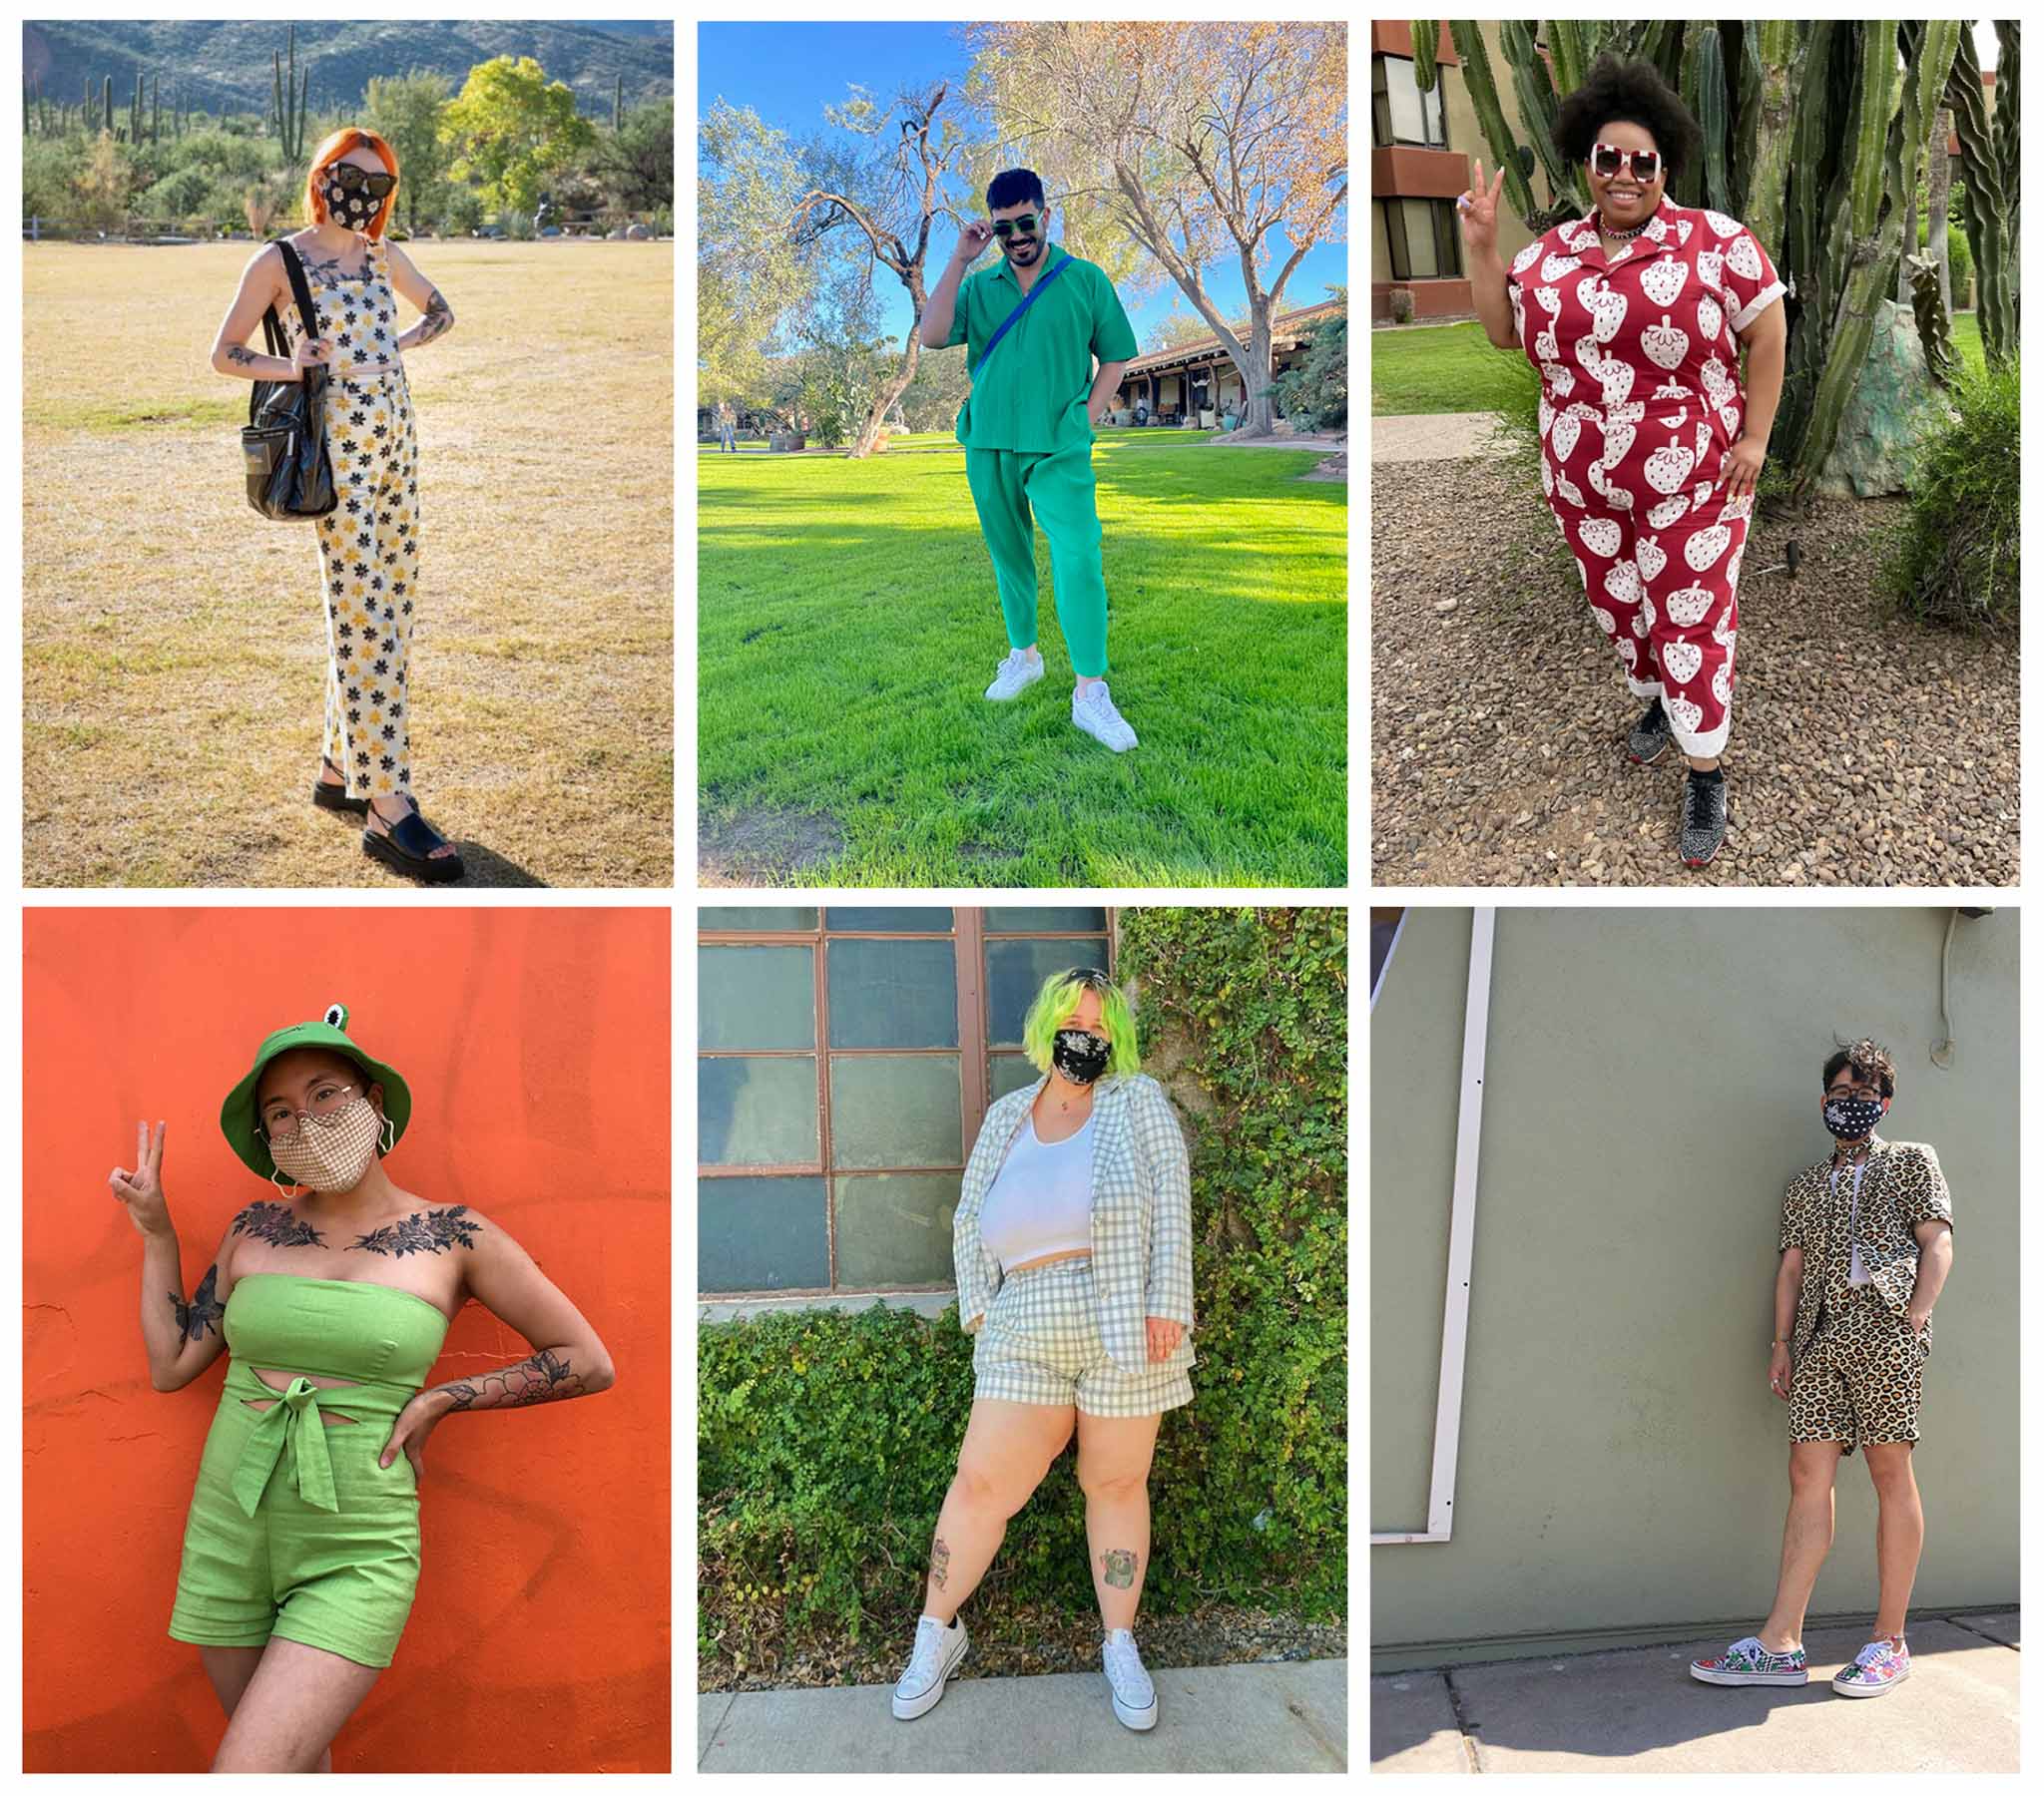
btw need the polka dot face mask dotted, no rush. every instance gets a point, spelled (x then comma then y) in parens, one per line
(1850, 1117)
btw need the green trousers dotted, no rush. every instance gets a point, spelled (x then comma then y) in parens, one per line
(1006, 484)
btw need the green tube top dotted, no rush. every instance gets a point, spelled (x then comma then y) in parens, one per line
(383, 1339)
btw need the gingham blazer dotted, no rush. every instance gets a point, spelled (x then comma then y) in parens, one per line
(1903, 1185)
(1142, 1215)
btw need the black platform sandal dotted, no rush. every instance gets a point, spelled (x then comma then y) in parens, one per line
(329, 796)
(408, 848)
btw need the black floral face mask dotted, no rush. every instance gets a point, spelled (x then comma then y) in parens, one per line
(1080, 1055)
(351, 207)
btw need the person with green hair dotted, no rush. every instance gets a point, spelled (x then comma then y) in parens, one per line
(301, 1544)
(1073, 1245)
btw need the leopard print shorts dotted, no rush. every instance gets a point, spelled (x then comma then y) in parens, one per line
(1861, 1379)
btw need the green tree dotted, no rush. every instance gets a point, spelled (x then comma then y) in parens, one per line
(749, 273)
(509, 128)
(406, 110)
(635, 164)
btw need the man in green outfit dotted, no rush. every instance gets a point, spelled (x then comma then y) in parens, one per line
(1028, 430)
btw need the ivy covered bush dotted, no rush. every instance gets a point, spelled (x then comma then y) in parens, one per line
(827, 1441)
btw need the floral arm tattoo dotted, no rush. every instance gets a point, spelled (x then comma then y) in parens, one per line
(438, 320)
(241, 357)
(203, 1312)
(547, 1377)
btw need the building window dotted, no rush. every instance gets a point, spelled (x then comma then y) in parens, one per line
(846, 1057)
(1425, 242)
(1400, 112)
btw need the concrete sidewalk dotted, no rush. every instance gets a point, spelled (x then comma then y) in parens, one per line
(1430, 436)
(1284, 1717)
(1639, 1710)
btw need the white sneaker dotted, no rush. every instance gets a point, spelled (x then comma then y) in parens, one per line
(1017, 671)
(1135, 1697)
(938, 1653)
(1094, 712)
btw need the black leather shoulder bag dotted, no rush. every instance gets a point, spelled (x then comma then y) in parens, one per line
(284, 444)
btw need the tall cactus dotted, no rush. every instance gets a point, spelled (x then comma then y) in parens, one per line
(287, 96)
(618, 107)
(1426, 37)
(135, 112)
(1990, 175)
(107, 104)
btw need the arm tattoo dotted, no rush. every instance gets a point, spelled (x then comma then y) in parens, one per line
(1119, 1568)
(544, 1378)
(940, 1562)
(275, 1223)
(241, 357)
(203, 1312)
(439, 318)
(423, 1233)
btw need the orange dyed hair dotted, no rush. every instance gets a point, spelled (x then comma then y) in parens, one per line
(344, 142)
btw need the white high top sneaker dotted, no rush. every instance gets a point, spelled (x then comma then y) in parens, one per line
(1094, 712)
(1135, 1697)
(934, 1660)
(1017, 671)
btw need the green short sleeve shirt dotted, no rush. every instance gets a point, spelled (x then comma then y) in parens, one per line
(1031, 395)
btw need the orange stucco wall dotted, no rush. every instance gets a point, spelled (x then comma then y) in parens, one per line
(536, 1045)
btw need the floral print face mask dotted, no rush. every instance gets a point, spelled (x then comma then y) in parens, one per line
(350, 206)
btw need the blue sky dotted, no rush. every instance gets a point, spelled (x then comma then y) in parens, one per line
(788, 73)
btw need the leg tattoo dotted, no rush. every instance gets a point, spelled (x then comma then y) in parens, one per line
(940, 1562)
(1119, 1568)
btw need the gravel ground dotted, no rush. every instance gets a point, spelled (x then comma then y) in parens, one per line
(1012, 1641)
(1866, 750)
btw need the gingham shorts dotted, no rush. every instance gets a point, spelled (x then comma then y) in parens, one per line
(1041, 1343)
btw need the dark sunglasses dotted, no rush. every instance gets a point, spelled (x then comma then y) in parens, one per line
(356, 180)
(1608, 159)
(1006, 227)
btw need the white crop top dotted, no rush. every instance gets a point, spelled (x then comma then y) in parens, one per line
(1042, 1200)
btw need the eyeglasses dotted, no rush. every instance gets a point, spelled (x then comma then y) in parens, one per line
(1608, 159)
(327, 1100)
(1872, 1094)
(354, 179)
(1006, 227)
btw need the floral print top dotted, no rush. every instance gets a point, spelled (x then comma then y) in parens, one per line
(355, 311)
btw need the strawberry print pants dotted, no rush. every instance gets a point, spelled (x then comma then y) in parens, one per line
(1659, 552)
(370, 556)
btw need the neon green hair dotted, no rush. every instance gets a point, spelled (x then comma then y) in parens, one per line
(1057, 999)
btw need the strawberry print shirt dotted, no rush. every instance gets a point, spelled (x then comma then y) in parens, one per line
(1645, 334)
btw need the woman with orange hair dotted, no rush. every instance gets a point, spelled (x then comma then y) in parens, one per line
(369, 543)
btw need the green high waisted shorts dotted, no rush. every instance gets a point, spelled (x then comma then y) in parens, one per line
(294, 1529)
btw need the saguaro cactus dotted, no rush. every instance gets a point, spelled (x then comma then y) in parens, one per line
(287, 96)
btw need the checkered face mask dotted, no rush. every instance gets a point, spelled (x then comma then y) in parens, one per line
(330, 1154)
(1850, 1117)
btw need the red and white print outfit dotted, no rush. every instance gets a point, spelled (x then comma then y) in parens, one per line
(1640, 399)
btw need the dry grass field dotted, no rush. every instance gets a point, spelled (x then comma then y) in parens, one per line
(172, 640)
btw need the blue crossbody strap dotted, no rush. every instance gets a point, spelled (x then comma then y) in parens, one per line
(1007, 323)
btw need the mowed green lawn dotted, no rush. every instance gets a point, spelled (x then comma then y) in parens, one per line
(849, 624)
(1453, 369)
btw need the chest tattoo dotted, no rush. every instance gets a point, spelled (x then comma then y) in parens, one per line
(275, 1223)
(433, 1232)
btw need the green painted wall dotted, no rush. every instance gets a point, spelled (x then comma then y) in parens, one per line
(1652, 1085)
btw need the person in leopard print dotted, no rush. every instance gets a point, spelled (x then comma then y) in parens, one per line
(1865, 1243)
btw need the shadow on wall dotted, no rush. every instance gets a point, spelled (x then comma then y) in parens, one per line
(536, 1046)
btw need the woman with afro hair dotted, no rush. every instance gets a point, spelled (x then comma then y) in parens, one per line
(1651, 444)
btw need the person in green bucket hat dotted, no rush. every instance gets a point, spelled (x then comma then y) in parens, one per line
(332, 1298)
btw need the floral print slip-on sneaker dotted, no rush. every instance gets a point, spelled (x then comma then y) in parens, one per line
(1880, 1666)
(1746, 1662)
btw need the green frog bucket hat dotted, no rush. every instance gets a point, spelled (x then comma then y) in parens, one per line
(237, 1114)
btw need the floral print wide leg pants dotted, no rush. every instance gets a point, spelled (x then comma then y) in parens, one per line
(370, 556)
